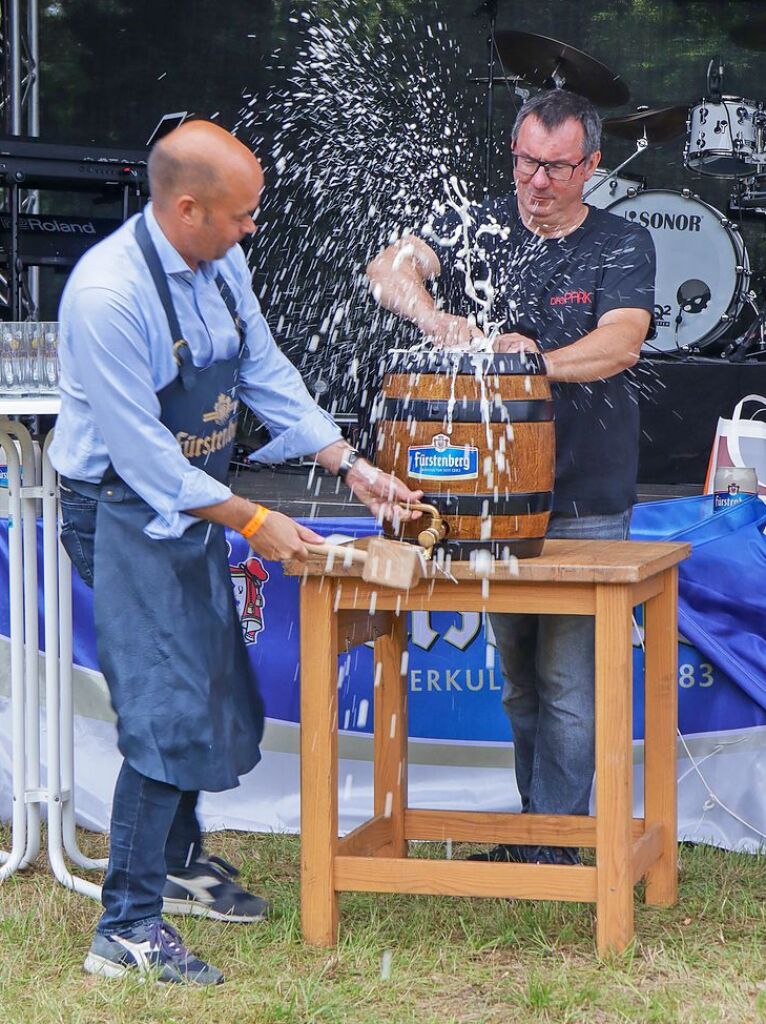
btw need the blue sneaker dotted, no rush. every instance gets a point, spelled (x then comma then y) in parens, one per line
(207, 888)
(153, 949)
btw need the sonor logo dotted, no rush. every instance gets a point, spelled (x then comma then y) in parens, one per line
(658, 221)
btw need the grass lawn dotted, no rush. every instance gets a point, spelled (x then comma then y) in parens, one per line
(401, 959)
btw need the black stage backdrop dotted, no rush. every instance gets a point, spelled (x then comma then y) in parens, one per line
(111, 68)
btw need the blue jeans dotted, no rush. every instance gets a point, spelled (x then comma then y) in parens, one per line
(154, 827)
(549, 666)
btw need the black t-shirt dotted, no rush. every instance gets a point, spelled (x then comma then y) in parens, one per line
(555, 291)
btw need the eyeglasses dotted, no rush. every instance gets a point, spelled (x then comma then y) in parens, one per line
(556, 171)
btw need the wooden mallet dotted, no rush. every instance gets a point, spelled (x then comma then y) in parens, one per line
(385, 563)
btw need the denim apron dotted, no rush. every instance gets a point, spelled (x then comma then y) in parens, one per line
(169, 637)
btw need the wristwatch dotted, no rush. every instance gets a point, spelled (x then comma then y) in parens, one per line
(348, 459)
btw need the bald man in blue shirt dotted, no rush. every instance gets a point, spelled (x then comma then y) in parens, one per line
(161, 339)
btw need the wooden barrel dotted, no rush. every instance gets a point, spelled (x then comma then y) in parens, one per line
(475, 432)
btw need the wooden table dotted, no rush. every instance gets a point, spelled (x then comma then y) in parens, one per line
(605, 579)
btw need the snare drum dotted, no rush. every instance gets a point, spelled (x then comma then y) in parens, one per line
(604, 188)
(723, 138)
(702, 267)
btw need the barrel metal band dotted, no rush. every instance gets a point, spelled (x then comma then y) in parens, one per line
(437, 361)
(536, 410)
(522, 504)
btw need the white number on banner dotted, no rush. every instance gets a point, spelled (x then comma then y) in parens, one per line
(460, 634)
(423, 636)
(687, 678)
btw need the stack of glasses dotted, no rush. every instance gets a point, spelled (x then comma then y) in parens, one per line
(29, 362)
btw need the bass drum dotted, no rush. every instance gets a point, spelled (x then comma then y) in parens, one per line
(702, 267)
(604, 188)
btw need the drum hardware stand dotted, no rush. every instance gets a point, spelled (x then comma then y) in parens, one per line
(641, 145)
(715, 79)
(490, 7)
(740, 349)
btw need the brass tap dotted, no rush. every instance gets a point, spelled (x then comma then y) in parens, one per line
(436, 531)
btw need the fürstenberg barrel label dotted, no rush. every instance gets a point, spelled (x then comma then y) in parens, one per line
(442, 461)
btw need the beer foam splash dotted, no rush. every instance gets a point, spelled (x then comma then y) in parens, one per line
(367, 144)
(357, 145)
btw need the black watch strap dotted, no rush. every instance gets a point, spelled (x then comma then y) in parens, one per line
(348, 459)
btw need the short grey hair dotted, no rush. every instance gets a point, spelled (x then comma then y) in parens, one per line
(555, 106)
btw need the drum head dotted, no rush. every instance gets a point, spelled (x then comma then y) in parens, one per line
(698, 283)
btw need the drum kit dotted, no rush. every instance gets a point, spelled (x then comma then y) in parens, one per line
(703, 270)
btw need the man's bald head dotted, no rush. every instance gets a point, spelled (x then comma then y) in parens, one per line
(206, 187)
(200, 159)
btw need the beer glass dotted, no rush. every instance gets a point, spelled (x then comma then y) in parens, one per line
(49, 356)
(12, 358)
(31, 347)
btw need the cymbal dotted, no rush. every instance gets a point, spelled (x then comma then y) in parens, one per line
(549, 64)
(750, 34)
(659, 124)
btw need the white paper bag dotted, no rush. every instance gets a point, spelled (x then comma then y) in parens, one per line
(740, 442)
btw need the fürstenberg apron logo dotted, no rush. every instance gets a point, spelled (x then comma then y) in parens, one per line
(442, 461)
(225, 407)
(223, 412)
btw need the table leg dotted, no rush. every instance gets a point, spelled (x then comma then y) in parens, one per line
(614, 768)
(390, 724)
(319, 762)
(661, 716)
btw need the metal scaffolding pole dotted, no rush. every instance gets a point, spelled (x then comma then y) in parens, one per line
(21, 107)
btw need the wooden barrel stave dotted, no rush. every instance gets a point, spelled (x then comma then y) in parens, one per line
(505, 507)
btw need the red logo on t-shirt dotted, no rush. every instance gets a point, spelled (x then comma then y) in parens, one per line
(572, 298)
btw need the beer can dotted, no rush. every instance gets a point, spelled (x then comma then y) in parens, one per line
(731, 485)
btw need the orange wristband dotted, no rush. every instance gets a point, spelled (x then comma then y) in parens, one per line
(253, 525)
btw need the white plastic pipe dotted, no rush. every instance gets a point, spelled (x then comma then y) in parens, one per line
(52, 692)
(71, 847)
(14, 858)
(29, 478)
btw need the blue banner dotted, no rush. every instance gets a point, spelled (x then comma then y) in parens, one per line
(455, 682)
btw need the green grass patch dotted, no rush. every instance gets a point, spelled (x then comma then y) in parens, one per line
(404, 959)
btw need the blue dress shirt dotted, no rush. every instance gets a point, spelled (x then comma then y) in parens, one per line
(116, 353)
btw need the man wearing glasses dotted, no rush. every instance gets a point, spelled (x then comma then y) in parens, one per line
(576, 283)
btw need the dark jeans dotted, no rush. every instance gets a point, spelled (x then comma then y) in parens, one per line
(549, 666)
(154, 827)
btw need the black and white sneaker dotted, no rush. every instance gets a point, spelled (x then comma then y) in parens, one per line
(153, 949)
(503, 853)
(207, 888)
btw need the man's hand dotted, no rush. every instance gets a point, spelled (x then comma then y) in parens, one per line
(281, 538)
(383, 493)
(447, 331)
(514, 343)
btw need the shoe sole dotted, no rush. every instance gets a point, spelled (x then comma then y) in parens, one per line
(104, 968)
(191, 908)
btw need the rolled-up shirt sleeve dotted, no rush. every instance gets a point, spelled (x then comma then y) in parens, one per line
(272, 387)
(108, 340)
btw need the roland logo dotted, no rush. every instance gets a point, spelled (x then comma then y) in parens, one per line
(659, 220)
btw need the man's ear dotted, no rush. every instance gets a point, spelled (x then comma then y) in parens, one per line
(187, 209)
(592, 163)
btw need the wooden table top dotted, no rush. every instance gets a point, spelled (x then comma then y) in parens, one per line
(571, 561)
